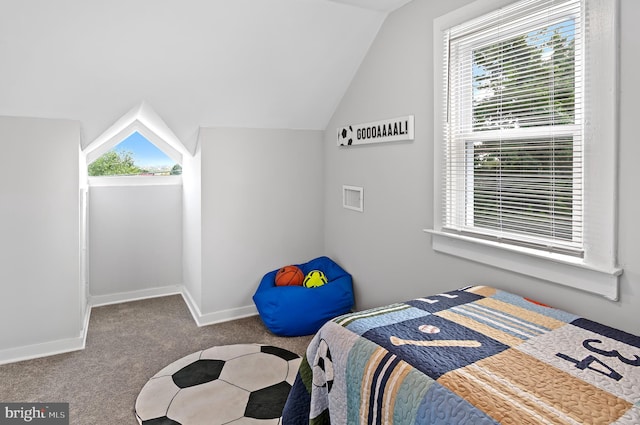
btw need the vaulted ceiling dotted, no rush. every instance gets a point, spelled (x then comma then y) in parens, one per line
(237, 63)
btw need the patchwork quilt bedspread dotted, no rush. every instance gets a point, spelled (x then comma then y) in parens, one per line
(473, 356)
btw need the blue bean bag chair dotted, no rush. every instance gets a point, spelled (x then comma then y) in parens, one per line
(296, 310)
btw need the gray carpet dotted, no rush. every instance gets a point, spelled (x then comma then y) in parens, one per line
(126, 345)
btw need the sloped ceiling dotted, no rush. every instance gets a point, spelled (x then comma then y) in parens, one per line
(237, 63)
(382, 5)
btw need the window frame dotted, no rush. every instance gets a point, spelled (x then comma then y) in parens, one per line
(113, 181)
(134, 180)
(144, 120)
(597, 271)
(460, 191)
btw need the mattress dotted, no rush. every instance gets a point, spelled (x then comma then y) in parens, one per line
(477, 355)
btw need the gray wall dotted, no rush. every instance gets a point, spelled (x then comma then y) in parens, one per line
(135, 238)
(384, 247)
(251, 201)
(40, 292)
(261, 208)
(192, 228)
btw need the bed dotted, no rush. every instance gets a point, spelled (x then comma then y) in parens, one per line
(477, 355)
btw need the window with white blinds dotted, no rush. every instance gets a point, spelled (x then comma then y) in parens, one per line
(513, 136)
(525, 138)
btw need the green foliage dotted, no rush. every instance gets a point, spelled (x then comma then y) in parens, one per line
(176, 170)
(525, 81)
(114, 163)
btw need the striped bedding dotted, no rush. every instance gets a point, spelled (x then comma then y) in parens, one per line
(473, 356)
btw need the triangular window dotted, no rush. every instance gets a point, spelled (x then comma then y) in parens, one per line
(134, 156)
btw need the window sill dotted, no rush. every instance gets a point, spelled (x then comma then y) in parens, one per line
(135, 181)
(557, 268)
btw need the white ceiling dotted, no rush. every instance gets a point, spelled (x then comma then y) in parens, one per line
(238, 63)
(381, 5)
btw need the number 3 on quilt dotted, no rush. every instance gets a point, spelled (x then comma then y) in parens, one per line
(613, 353)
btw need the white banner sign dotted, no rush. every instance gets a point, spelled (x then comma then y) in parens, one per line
(391, 130)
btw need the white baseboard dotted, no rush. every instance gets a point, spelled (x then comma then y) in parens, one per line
(142, 294)
(50, 348)
(217, 316)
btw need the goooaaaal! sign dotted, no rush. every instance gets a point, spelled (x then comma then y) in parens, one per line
(391, 130)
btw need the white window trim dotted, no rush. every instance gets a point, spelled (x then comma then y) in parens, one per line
(597, 272)
(144, 120)
(136, 126)
(105, 181)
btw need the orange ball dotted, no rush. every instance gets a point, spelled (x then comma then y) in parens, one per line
(289, 276)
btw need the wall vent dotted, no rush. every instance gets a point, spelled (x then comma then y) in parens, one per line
(352, 198)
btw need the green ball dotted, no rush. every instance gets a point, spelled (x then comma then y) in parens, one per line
(313, 279)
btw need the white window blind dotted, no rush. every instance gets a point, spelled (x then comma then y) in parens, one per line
(525, 158)
(513, 140)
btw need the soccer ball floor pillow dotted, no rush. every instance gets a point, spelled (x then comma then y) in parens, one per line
(296, 310)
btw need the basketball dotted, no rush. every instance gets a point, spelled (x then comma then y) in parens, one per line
(289, 276)
(313, 279)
